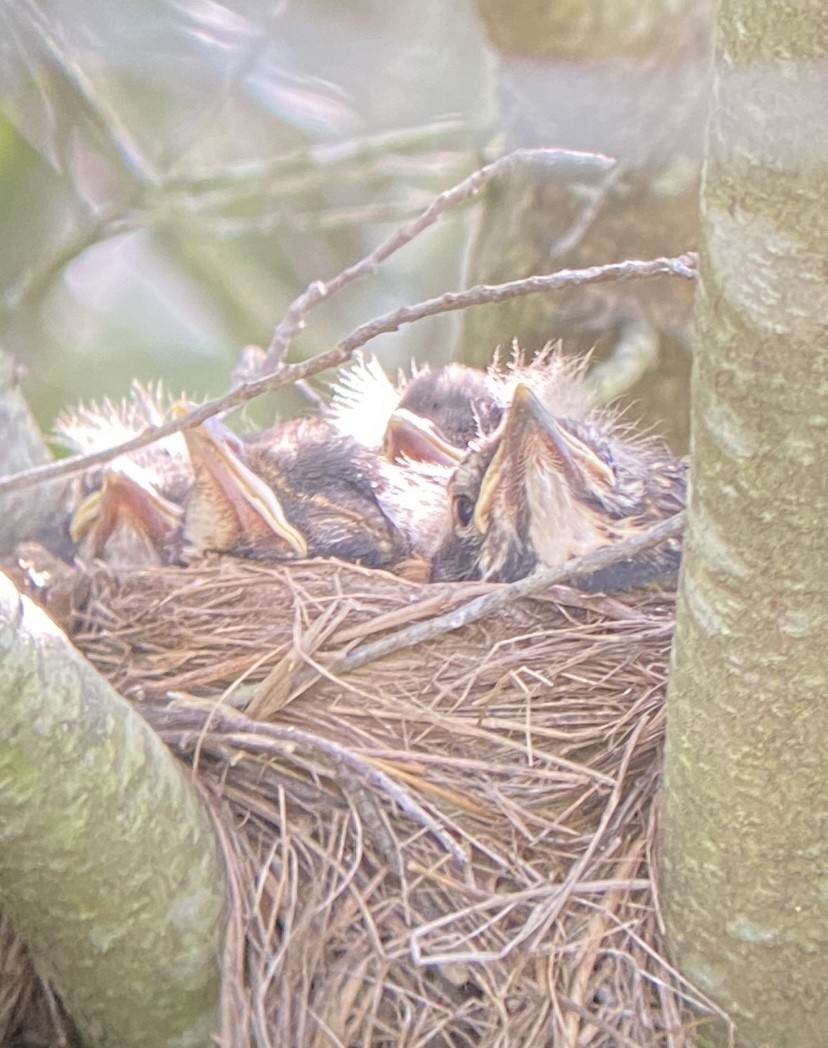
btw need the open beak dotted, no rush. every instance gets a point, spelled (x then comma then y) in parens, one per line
(410, 436)
(532, 437)
(217, 455)
(126, 512)
(86, 516)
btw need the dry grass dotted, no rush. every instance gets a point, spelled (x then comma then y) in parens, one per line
(31, 1015)
(451, 845)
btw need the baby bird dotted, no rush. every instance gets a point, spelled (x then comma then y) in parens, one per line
(298, 490)
(428, 423)
(420, 430)
(440, 413)
(127, 512)
(431, 417)
(436, 415)
(544, 488)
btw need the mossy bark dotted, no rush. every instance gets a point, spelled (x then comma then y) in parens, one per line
(109, 866)
(34, 513)
(745, 828)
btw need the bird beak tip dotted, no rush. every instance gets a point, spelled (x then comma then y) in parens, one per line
(409, 436)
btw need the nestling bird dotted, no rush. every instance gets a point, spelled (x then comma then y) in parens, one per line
(298, 490)
(427, 424)
(127, 512)
(441, 412)
(435, 415)
(431, 417)
(545, 488)
(420, 429)
(126, 521)
(487, 474)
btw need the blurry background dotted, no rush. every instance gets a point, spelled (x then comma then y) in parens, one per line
(174, 172)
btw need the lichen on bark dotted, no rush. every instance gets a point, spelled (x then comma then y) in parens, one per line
(744, 848)
(109, 866)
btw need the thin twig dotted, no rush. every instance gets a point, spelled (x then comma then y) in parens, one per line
(441, 135)
(482, 294)
(573, 236)
(318, 291)
(239, 731)
(489, 603)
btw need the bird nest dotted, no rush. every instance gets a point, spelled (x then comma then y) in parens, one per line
(450, 843)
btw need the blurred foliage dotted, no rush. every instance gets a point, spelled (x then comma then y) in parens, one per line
(174, 172)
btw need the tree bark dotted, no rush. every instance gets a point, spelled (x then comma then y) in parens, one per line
(745, 847)
(34, 513)
(627, 80)
(109, 867)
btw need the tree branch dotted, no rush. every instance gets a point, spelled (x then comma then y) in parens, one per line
(682, 266)
(109, 866)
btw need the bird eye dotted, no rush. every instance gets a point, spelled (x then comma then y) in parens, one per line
(463, 509)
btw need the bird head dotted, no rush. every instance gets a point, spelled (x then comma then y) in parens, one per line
(431, 417)
(414, 438)
(128, 511)
(539, 491)
(230, 506)
(126, 521)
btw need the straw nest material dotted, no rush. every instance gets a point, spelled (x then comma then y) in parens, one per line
(451, 844)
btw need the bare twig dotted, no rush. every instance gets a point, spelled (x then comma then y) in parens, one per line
(294, 318)
(441, 134)
(489, 603)
(482, 294)
(247, 735)
(290, 175)
(583, 222)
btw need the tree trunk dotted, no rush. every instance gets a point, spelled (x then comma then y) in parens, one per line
(109, 868)
(628, 80)
(745, 847)
(34, 513)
